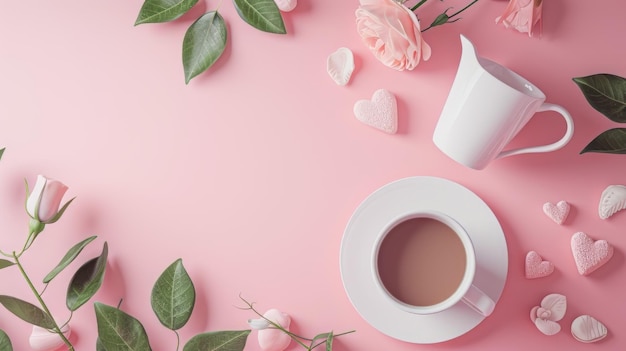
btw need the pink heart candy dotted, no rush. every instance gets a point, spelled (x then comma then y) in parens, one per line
(381, 112)
(590, 255)
(536, 267)
(558, 212)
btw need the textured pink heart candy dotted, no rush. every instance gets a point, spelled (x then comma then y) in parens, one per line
(558, 212)
(590, 255)
(536, 267)
(381, 112)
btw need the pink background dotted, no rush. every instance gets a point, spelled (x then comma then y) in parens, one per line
(251, 172)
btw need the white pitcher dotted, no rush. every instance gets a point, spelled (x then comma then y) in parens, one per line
(487, 106)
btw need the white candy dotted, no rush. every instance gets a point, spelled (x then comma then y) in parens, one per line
(588, 329)
(340, 65)
(613, 199)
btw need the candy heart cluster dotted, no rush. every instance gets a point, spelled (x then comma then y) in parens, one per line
(589, 255)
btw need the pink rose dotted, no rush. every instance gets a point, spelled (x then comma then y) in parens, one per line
(44, 201)
(522, 15)
(392, 33)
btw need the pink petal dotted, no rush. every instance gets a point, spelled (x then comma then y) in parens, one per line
(533, 313)
(547, 327)
(557, 304)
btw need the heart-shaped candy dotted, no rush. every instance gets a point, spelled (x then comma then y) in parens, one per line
(381, 112)
(590, 255)
(558, 212)
(536, 267)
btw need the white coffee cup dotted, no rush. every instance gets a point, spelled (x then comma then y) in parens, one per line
(425, 263)
(487, 106)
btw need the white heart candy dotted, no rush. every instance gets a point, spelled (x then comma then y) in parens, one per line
(381, 112)
(558, 212)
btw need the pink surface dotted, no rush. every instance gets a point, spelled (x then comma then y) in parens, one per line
(251, 172)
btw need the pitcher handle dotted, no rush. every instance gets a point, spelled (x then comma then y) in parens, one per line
(550, 147)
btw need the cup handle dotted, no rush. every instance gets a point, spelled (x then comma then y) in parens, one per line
(550, 147)
(477, 300)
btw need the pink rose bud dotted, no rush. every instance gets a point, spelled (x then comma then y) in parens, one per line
(43, 340)
(273, 339)
(44, 201)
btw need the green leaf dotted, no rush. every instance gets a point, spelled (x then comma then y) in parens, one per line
(99, 346)
(606, 93)
(612, 141)
(227, 340)
(87, 280)
(27, 312)
(120, 331)
(5, 264)
(329, 341)
(173, 296)
(204, 43)
(1, 152)
(157, 11)
(68, 258)
(5, 342)
(261, 14)
(318, 337)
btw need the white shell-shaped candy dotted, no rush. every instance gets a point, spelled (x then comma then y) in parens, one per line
(613, 199)
(340, 65)
(43, 340)
(286, 5)
(588, 329)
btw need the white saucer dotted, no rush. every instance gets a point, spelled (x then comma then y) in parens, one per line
(389, 203)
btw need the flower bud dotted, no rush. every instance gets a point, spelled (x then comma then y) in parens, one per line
(272, 339)
(44, 340)
(43, 202)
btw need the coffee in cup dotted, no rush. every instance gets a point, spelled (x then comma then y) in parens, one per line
(425, 263)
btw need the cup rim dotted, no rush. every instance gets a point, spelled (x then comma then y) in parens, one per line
(470, 263)
(532, 91)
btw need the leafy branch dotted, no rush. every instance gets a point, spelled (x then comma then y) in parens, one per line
(173, 300)
(326, 338)
(42, 205)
